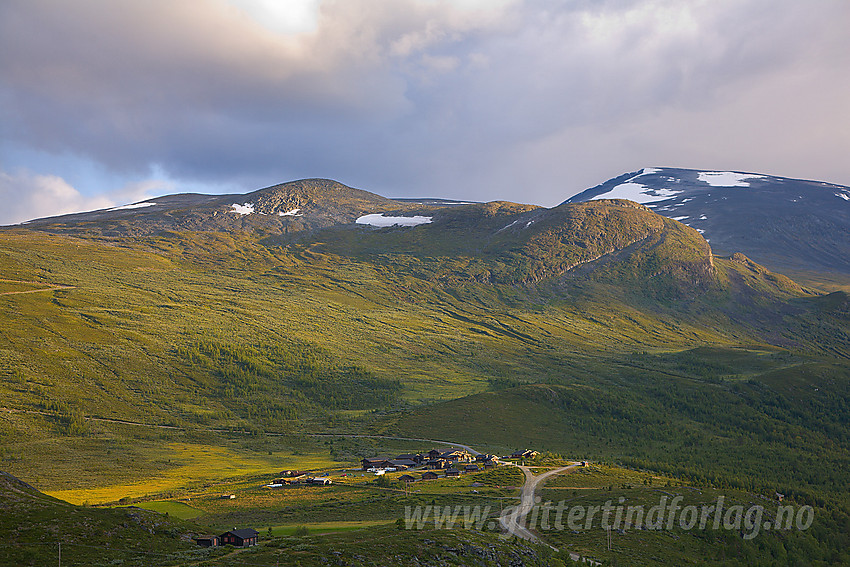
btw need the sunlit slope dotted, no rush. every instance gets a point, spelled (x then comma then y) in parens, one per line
(168, 325)
(243, 330)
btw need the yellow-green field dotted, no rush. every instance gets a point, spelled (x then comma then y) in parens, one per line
(197, 465)
(177, 509)
(319, 528)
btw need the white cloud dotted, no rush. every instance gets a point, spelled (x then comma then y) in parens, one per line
(26, 196)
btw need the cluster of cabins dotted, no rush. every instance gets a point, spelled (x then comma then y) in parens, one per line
(245, 537)
(298, 477)
(454, 462)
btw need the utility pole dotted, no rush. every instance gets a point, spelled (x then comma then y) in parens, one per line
(60, 554)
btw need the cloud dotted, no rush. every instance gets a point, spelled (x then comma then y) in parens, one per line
(524, 100)
(26, 196)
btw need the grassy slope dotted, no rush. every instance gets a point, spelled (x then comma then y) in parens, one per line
(133, 339)
(149, 324)
(33, 524)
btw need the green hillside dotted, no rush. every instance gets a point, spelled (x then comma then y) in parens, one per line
(35, 525)
(597, 330)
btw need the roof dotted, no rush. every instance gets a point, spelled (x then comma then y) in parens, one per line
(405, 462)
(410, 456)
(374, 459)
(244, 533)
(452, 471)
(406, 477)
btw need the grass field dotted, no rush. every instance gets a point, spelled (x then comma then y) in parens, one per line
(194, 465)
(179, 510)
(321, 528)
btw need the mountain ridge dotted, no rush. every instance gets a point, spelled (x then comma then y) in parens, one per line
(785, 223)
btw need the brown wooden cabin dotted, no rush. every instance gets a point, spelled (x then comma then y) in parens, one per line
(207, 541)
(372, 462)
(452, 472)
(430, 476)
(407, 478)
(416, 458)
(244, 537)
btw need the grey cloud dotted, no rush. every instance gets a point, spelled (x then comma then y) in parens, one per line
(531, 102)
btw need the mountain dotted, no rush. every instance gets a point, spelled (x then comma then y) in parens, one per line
(786, 224)
(154, 347)
(297, 206)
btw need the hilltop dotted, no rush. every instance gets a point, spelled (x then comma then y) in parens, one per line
(786, 224)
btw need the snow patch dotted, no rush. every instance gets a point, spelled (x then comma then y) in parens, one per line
(680, 218)
(290, 213)
(380, 220)
(245, 209)
(649, 170)
(727, 178)
(637, 193)
(133, 206)
(703, 217)
(844, 196)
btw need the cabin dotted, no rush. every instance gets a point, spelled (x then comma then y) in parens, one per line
(372, 462)
(320, 480)
(437, 464)
(430, 476)
(292, 474)
(434, 454)
(408, 478)
(452, 472)
(456, 455)
(484, 457)
(246, 537)
(401, 464)
(416, 458)
(207, 541)
(525, 454)
(470, 468)
(490, 463)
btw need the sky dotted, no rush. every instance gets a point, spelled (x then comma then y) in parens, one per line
(107, 102)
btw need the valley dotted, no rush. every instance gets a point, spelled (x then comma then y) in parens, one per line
(150, 356)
